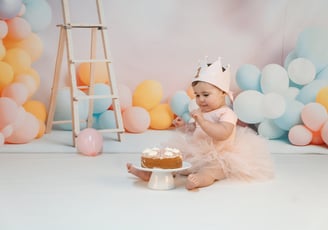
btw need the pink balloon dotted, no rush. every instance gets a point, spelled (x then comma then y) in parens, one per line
(26, 131)
(136, 119)
(89, 142)
(8, 111)
(314, 115)
(7, 131)
(300, 135)
(18, 28)
(324, 133)
(16, 91)
(125, 96)
(2, 139)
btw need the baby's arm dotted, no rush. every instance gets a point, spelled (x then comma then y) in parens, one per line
(216, 130)
(182, 125)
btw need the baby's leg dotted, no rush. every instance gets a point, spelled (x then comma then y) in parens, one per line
(204, 177)
(141, 174)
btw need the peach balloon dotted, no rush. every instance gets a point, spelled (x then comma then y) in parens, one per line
(7, 131)
(89, 142)
(8, 111)
(29, 82)
(147, 94)
(324, 133)
(300, 135)
(37, 108)
(190, 92)
(136, 119)
(314, 115)
(19, 59)
(26, 132)
(322, 97)
(16, 91)
(100, 73)
(18, 28)
(125, 96)
(32, 44)
(6, 74)
(161, 117)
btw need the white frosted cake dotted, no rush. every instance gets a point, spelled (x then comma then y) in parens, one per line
(166, 158)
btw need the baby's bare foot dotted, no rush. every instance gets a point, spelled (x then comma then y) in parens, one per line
(193, 181)
(143, 175)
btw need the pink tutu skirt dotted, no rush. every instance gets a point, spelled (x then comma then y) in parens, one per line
(247, 158)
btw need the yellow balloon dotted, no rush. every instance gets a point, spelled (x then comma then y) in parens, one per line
(161, 117)
(100, 73)
(322, 97)
(148, 94)
(42, 129)
(6, 74)
(18, 58)
(37, 108)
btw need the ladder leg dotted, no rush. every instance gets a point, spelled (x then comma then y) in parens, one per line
(54, 89)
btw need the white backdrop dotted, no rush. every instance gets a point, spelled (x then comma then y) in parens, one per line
(164, 39)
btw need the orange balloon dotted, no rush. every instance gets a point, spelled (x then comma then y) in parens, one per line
(42, 129)
(18, 28)
(148, 94)
(100, 73)
(322, 97)
(19, 59)
(2, 50)
(161, 117)
(190, 92)
(316, 138)
(6, 74)
(37, 108)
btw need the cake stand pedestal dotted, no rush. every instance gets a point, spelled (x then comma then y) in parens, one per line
(162, 179)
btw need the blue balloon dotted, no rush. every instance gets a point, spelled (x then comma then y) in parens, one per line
(323, 75)
(38, 13)
(312, 44)
(248, 77)
(309, 92)
(9, 8)
(186, 117)
(291, 117)
(270, 130)
(179, 103)
(101, 105)
(106, 120)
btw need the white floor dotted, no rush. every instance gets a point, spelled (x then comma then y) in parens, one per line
(56, 188)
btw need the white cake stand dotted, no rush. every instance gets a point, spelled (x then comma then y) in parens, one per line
(162, 179)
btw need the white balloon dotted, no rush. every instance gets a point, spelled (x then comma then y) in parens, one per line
(273, 105)
(301, 71)
(274, 79)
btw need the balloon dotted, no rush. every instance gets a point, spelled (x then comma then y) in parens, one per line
(161, 117)
(63, 110)
(136, 119)
(101, 105)
(2, 50)
(291, 116)
(274, 79)
(9, 8)
(19, 59)
(3, 29)
(26, 131)
(89, 142)
(322, 97)
(37, 108)
(7, 131)
(301, 71)
(270, 130)
(42, 129)
(8, 111)
(18, 29)
(324, 132)
(147, 94)
(300, 135)
(16, 91)
(309, 92)
(38, 13)
(100, 73)
(29, 82)
(273, 105)
(190, 92)
(248, 106)
(6, 74)
(291, 93)
(316, 138)
(2, 139)
(312, 44)
(125, 96)
(106, 120)
(314, 116)
(248, 77)
(323, 74)
(179, 103)
(291, 56)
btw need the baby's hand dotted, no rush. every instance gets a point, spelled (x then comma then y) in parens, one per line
(178, 122)
(197, 115)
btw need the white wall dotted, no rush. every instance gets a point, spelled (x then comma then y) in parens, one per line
(164, 39)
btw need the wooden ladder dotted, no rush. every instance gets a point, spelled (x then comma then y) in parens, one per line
(66, 40)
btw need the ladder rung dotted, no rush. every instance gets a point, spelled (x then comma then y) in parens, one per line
(111, 130)
(90, 60)
(87, 97)
(83, 26)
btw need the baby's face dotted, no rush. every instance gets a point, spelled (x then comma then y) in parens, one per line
(208, 97)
